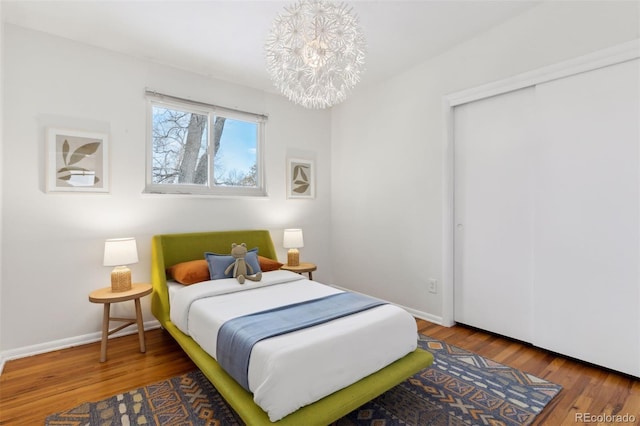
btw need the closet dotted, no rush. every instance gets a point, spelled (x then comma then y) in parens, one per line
(547, 214)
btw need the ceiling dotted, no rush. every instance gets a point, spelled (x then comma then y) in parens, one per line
(225, 39)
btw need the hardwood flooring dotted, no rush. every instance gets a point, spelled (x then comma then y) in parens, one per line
(34, 387)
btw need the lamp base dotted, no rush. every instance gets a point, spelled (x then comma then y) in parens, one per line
(293, 257)
(120, 279)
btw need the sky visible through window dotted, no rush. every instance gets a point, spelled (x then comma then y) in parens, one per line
(238, 145)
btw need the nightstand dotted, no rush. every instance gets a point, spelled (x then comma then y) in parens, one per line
(107, 297)
(302, 268)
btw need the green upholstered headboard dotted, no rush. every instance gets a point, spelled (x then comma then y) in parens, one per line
(169, 249)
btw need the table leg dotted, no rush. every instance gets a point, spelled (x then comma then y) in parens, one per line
(105, 332)
(311, 275)
(140, 326)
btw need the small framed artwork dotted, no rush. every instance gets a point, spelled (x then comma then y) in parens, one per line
(77, 161)
(300, 178)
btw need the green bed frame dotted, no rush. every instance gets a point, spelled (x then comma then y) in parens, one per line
(169, 249)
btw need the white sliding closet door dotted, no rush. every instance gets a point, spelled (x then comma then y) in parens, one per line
(547, 215)
(587, 288)
(493, 196)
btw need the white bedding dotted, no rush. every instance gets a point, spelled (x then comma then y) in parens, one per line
(299, 368)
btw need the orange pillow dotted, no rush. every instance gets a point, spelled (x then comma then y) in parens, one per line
(191, 272)
(267, 264)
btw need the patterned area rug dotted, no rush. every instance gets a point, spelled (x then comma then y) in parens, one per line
(460, 388)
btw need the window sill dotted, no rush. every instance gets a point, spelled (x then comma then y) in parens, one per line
(178, 194)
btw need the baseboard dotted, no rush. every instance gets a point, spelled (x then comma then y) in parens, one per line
(424, 316)
(418, 314)
(65, 343)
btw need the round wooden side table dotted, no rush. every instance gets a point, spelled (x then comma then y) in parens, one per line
(106, 296)
(302, 268)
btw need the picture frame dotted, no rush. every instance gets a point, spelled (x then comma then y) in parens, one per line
(76, 161)
(301, 181)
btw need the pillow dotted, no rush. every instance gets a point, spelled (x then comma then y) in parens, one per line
(218, 263)
(191, 272)
(267, 264)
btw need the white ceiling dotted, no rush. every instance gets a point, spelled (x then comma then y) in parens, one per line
(225, 39)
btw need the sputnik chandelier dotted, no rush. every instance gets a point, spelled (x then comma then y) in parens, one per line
(315, 52)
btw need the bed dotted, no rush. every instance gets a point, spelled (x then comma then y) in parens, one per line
(171, 249)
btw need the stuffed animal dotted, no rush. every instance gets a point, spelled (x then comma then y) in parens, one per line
(240, 266)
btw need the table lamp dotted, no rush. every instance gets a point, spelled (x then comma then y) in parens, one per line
(120, 252)
(293, 241)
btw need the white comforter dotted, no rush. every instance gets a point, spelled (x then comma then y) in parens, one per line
(296, 369)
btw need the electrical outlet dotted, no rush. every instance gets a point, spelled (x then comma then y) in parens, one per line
(433, 285)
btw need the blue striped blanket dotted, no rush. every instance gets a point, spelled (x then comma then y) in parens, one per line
(237, 336)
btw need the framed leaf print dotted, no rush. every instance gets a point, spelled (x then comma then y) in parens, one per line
(77, 161)
(300, 178)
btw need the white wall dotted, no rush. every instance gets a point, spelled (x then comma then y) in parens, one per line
(52, 244)
(1, 162)
(388, 149)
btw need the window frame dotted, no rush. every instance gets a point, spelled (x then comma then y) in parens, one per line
(210, 188)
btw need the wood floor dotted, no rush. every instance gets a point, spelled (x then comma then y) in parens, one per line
(32, 388)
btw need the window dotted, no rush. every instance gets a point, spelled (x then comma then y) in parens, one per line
(202, 149)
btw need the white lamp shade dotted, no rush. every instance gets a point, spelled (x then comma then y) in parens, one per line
(292, 238)
(120, 251)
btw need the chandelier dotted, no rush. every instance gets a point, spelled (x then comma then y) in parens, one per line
(315, 52)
